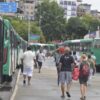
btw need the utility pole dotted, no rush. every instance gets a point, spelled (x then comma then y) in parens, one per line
(99, 31)
(29, 29)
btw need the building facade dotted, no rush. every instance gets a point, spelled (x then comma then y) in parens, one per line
(11, 0)
(28, 9)
(83, 9)
(95, 13)
(70, 8)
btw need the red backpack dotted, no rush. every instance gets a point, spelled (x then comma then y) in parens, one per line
(85, 70)
(75, 73)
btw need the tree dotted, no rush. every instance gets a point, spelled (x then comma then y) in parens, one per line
(91, 22)
(76, 28)
(21, 27)
(51, 20)
(35, 29)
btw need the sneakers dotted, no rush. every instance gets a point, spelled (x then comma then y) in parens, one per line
(62, 96)
(68, 94)
(83, 98)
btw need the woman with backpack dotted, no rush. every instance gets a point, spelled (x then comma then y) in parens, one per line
(83, 76)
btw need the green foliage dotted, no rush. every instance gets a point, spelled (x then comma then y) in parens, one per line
(21, 27)
(76, 28)
(51, 25)
(37, 30)
(91, 22)
(51, 19)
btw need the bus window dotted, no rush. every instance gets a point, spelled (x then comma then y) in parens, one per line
(97, 46)
(6, 34)
(97, 43)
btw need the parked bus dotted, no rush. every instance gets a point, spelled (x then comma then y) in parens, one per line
(42, 46)
(86, 45)
(11, 47)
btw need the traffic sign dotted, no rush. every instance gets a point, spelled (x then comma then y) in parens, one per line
(8, 7)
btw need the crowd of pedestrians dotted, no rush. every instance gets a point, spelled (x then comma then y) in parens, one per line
(66, 61)
(66, 64)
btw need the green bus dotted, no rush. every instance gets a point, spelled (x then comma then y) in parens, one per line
(86, 45)
(11, 47)
(42, 46)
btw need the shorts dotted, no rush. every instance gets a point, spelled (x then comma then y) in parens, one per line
(28, 72)
(83, 80)
(39, 64)
(65, 77)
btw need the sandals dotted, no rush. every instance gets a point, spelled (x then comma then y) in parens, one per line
(83, 98)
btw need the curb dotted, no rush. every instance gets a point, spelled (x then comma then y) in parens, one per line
(16, 87)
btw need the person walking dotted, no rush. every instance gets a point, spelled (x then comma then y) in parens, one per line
(92, 68)
(28, 63)
(66, 62)
(57, 59)
(41, 58)
(83, 76)
(94, 58)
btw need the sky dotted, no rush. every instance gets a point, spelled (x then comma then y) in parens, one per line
(95, 4)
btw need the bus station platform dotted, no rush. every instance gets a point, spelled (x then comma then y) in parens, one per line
(44, 87)
(7, 89)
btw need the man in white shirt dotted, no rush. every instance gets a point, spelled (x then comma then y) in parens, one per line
(28, 63)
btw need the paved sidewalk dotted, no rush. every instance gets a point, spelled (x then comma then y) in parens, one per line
(44, 87)
(6, 92)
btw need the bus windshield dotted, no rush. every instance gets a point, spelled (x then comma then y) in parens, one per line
(97, 43)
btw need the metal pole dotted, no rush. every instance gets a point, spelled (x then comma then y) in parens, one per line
(17, 2)
(89, 33)
(29, 29)
(99, 31)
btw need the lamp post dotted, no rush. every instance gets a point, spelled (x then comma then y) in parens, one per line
(98, 31)
(17, 3)
(29, 29)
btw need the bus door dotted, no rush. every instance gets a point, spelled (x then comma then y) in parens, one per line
(1, 49)
(96, 50)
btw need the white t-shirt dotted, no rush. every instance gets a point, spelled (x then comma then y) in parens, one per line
(44, 51)
(41, 57)
(28, 59)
